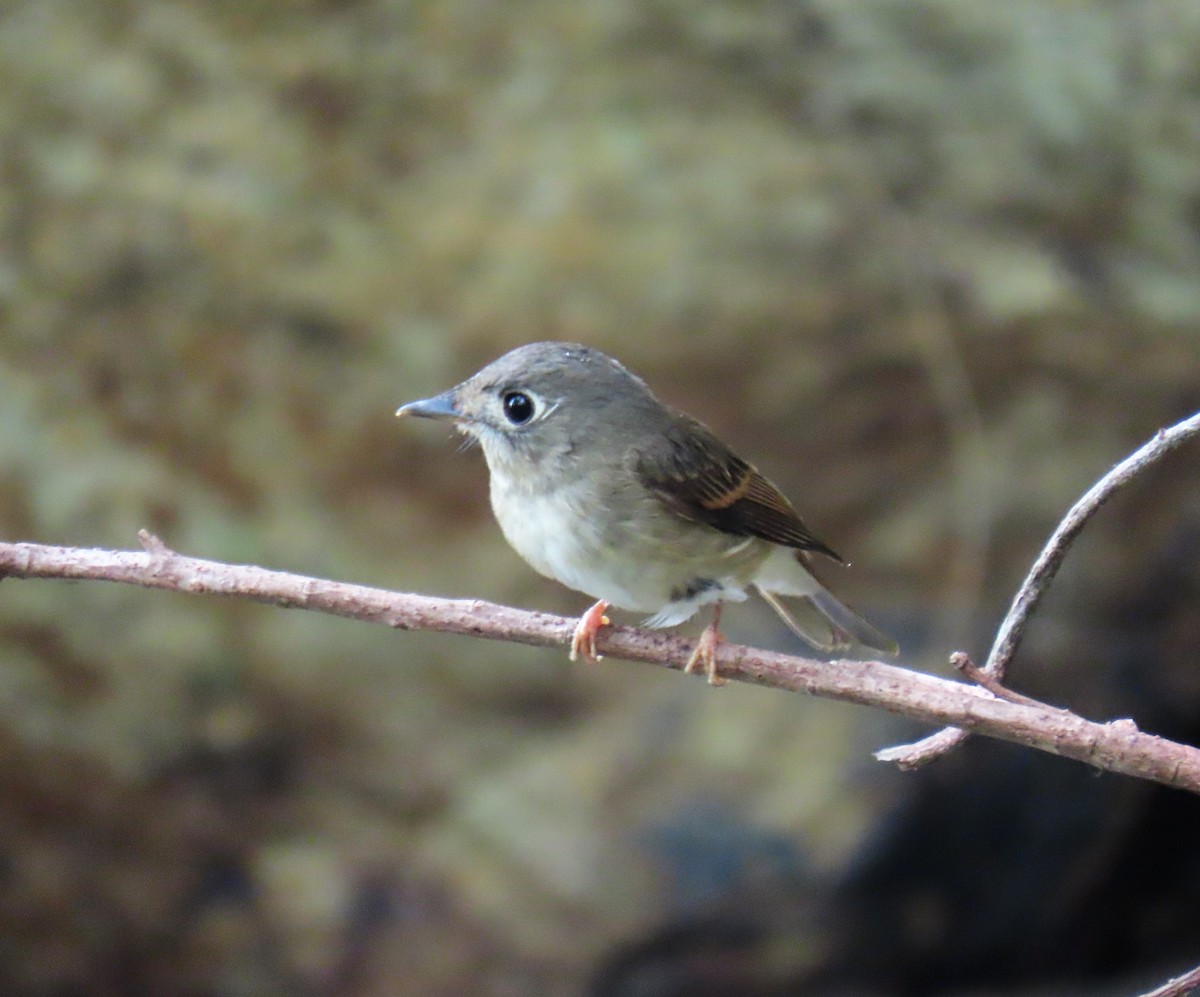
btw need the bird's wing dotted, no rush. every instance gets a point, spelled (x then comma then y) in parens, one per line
(698, 477)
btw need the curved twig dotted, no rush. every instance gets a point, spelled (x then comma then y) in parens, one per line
(1012, 628)
(1116, 747)
(1179, 986)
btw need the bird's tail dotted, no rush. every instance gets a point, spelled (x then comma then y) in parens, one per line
(821, 620)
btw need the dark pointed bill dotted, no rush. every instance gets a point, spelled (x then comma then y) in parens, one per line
(440, 407)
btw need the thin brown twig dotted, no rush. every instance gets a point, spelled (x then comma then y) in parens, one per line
(1179, 986)
(962, 661)
(1012, 628)
(1116, 747)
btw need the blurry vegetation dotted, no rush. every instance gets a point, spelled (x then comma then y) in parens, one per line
(934, 265)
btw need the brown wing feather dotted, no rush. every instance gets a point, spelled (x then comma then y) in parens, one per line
(699, 478)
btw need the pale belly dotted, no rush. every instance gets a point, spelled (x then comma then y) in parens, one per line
(607, 553)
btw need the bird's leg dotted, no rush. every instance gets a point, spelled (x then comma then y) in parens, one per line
(583, 643)
(705, 652)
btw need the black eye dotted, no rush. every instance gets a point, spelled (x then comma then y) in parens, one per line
(518, 407)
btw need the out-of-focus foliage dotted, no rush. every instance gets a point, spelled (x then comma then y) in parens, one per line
(933, 265)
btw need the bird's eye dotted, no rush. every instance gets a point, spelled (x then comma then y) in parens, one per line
(518, 407)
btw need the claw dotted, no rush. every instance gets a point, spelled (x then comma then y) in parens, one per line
(583, 643)
(705, 651)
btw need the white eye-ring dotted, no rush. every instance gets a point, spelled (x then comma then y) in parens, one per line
(523, 407)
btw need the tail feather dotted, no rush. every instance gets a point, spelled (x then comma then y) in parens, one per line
(829, 624)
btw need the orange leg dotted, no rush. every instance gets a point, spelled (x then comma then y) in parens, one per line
(705, 652)
(583, 644)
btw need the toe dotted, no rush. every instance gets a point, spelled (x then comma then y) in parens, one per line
(705, 654)
(583, 641)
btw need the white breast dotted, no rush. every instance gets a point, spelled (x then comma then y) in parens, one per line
(551, 535)
(561, 537)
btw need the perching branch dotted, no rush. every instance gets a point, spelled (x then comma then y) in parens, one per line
(1037, 582)
(1116, 747)
(986, 707)
(1179, 986)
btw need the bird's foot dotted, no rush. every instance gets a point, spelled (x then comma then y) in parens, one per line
(705, 651)
(583, 643)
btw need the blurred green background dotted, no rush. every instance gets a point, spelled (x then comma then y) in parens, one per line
(934, 266)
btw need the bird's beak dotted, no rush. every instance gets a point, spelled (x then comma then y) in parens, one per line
(440, 407)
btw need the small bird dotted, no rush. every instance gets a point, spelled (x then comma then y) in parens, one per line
(599, 485)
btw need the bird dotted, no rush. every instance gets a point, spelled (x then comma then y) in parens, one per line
(599, 485)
